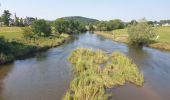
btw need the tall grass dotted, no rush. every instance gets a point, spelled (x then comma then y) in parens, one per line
(91, 81)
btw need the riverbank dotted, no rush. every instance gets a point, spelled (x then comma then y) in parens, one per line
(15, 46)
(20, 48)
(121, 35)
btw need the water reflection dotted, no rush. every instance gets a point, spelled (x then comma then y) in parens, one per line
(4, 71)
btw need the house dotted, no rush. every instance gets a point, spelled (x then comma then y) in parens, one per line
(24, 21)
(166, 24)
(29, 20)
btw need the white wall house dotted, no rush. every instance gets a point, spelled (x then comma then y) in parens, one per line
(166, 24)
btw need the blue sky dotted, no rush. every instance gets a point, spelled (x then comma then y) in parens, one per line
(99, 9)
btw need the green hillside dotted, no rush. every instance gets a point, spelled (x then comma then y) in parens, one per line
(81, 19)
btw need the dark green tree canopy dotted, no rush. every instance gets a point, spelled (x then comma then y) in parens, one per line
(61, 25)
(6, 17)
(68, 26)
(40, 27)
(110, 25)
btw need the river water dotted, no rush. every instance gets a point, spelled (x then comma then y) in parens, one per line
(47, 75)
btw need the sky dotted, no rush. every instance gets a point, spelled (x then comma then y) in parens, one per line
(125, 10)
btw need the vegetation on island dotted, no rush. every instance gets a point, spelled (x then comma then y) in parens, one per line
(97, 71)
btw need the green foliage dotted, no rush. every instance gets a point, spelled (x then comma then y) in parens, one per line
(141, 34)
(68, 26)
(116, 24)
(109, 25)
(21, 23)
(17, 22)
(28, 32)
(61, 25)
(81, 19)
(5, 17)
(102, 26)
(41, 28)
(5, 58)
(91, 28)
(91, 79)
(17, 47)
(4, 46)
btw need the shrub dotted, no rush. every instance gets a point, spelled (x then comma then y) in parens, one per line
(140, 34)
(27, 32)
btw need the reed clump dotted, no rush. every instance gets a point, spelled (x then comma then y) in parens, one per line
(91, 81)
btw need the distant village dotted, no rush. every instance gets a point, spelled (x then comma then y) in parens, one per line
(17, 21)
(162, 23)
(27, 21)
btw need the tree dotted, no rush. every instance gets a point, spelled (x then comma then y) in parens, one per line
(40, 27)
(21, 23)
(68, 26)
(132, 22)
(6, 17)
(102, 26)
(141, 34)
(17, 23)
(0, 19)
(115, 24)
(61, 26)
(91, 27)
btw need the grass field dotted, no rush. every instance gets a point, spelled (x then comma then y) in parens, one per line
(121, 35)
(11, 32)
(163, 32)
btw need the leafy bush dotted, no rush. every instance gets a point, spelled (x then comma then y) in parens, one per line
(5, 58)
(140, 34)
(28, 32)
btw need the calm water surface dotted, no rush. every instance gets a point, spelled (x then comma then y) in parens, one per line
(47, 75)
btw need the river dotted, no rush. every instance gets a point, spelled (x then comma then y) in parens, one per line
(47, 75)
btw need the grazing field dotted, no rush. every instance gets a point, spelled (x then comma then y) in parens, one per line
(164, 33)
(121, 35)
(91, 79)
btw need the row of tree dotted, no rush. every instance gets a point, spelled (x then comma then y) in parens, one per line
(43, 28)
(7, 21)
(109, 25)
